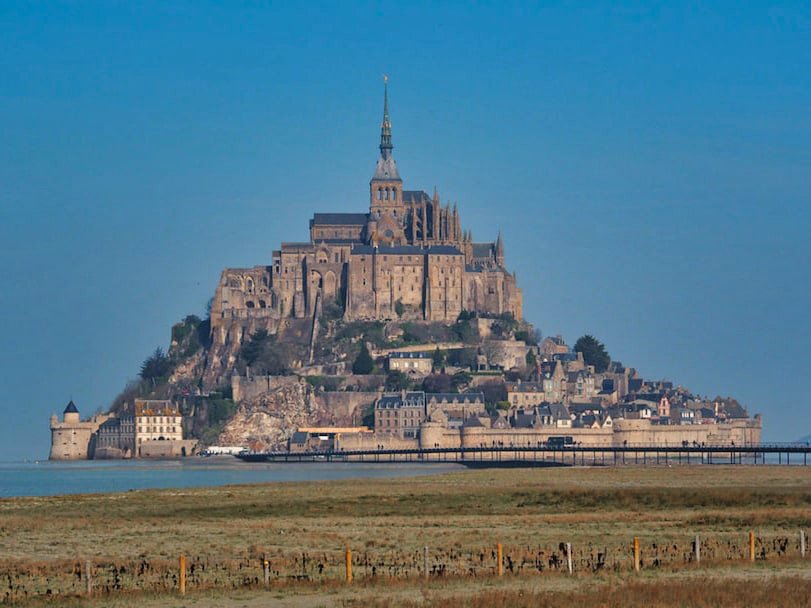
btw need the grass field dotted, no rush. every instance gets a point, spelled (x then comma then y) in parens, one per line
(133, 540)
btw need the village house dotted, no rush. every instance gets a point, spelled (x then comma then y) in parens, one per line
(401, 414)
(413, 363)
(525, 394)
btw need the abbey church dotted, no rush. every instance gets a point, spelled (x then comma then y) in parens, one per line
(408, 257)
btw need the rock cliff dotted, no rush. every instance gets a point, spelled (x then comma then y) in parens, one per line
(267, 421)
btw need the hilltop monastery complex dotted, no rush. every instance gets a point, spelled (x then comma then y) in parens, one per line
(407, 249)
(407, 260)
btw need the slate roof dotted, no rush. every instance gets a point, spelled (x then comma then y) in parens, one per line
(443, 250)
(299, 438)
(395, 400)
(71, 408)
(522, 420)
(417, 196)
(416, 355)
(344, 241)
(386, 170)
(582, 408)
(559, 411)
(299, 245)
(525, 387)
(456, 398)
(473, 421)
(339, 219)
(655, 397)
(406, 250)
(482, 250)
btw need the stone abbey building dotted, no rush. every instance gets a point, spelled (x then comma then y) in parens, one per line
(408, 254)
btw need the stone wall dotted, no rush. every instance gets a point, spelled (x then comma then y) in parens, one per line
(634, 432)
(169, 448)
(481, 437)
(373, 441)
(642, 432)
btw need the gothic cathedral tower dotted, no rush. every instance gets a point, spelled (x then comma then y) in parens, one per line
(387, 211)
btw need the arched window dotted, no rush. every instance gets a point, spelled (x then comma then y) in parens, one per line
(262, 304)
(380, 194)
(249, 304)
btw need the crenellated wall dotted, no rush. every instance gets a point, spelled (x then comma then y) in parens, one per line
(624, 432)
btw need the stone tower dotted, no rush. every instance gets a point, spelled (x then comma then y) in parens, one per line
(387, 211)
(73, 439)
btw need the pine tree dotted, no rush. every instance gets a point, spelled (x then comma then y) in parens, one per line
(363, 364)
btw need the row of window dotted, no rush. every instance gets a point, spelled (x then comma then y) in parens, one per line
(387, 194)
(156, 429)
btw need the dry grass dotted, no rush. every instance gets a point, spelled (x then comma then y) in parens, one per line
(134, 538)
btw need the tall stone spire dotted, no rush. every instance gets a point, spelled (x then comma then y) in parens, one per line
(386, 167)
(499, 250)
(385, 126)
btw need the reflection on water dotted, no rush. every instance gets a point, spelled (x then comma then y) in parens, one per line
(52, 478)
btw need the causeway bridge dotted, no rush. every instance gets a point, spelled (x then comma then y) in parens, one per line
(543, 455)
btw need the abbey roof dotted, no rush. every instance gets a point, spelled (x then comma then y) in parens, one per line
(339, 219)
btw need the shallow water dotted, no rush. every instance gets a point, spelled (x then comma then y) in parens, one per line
(45, 478)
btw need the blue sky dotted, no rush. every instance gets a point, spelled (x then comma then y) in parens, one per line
(649, 166)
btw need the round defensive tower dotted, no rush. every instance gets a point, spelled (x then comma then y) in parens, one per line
(70, 439)
(71, 413)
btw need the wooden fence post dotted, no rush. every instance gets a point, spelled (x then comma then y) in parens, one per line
(425, 562)
(569, 556)
(348, 565)
(751, 546)
(88, 577)
(802, 543)
(266, 570)
(698, 549)
(636, 554)
(500, 559)
(182, 579)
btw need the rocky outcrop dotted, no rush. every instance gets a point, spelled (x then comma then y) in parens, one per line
(267, 421)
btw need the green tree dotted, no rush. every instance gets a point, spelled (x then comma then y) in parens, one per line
(252, 350)
(156, 366)
(399, 308)
(594, 352)
(265, 355)
(220, 410)
(493, 391)
(368, 419)
(397, 381)
(531, 358)
(439, 358)
(461, 380)
(437, 383)
(363, 364)
(466, 331)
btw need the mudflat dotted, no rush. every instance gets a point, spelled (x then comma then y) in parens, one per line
(446, 526)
